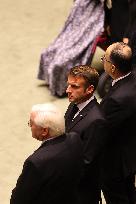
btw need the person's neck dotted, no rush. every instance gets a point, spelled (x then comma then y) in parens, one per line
(85, 99)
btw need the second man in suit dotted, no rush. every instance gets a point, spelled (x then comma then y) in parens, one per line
(89, 122)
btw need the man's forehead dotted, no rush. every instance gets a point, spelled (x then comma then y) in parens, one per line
(108, 52)
(32, 115)
(109, 49)
(76, 79)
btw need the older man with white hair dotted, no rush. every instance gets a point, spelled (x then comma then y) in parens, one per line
(51, 174)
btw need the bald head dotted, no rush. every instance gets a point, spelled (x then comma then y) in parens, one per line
(120, 55)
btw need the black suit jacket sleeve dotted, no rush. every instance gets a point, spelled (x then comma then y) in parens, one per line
(27, 186)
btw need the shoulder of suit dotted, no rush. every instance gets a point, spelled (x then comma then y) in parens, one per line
(68, 108)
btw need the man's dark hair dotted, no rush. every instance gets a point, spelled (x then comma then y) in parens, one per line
(121, 57)
(90, 74)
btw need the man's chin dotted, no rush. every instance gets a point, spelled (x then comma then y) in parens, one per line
(71, 99)
(37, 138)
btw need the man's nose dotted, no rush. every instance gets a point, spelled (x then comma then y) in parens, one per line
(68, 89)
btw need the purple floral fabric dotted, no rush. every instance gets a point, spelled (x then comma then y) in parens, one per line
(73, 46)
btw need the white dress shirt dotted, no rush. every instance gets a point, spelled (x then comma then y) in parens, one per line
(82, 105)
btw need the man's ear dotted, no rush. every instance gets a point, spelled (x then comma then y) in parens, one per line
(113, 68)
(45, 132)
(90, 89)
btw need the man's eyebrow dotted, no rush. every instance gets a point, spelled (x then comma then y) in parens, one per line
(73, 84)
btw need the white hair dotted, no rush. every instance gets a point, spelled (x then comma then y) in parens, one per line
(49, 116)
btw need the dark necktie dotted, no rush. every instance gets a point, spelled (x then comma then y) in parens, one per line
(75, 109)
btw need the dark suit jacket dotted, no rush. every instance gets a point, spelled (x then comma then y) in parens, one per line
(131, 26)
(119, 106)
(131, 29)
(122, 19)
(50, 175)
(90, 124)
(119, 17)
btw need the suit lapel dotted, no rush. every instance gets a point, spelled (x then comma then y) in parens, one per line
(107, 95)
(76, 120)
(68, 112)
(82, 114)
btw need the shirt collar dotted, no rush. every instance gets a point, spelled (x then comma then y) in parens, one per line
(47, 139)
(82, 105)
(115, 80)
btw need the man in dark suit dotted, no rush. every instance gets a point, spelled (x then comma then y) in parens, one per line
(121, 18)
(131, 30)
(119, 107)
(51, 174)
(89, 122)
